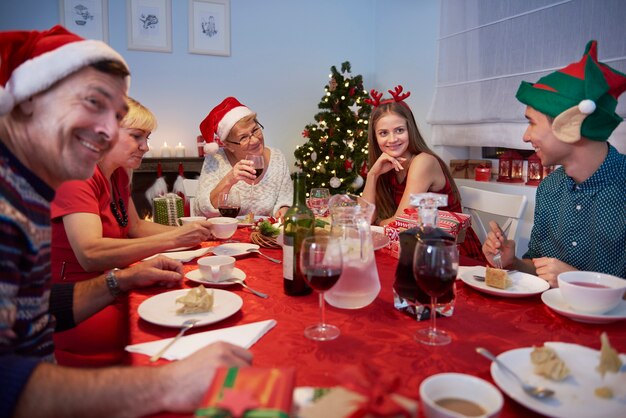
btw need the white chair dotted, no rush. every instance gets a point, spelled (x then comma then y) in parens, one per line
(190, 187)
(484, 206)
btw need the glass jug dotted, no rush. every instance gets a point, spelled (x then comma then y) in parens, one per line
(358, 285)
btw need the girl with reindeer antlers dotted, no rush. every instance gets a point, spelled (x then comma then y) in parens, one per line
(400, 163)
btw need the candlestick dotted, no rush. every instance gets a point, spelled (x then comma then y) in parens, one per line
(166, 151)
(180, 150)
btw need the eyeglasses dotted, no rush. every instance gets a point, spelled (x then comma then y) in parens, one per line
(244, 140)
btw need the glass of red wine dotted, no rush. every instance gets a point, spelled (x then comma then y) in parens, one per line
(435, 267)
(228, 203)
(259, 163)
(321, 264)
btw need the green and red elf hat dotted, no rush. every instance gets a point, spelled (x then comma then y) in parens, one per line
(581, 98)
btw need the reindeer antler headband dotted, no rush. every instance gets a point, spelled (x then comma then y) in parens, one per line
(396, 93)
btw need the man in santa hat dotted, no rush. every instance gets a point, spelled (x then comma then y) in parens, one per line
(61, 101)
(580, 213)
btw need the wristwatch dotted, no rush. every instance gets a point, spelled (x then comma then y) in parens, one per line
(112, 283)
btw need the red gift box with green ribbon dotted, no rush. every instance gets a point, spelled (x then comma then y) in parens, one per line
(249, 392)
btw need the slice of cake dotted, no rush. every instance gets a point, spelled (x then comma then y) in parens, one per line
(497, 278)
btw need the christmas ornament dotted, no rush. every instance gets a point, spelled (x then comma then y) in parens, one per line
(314, 156)
(335, 182)
(332, 84)
(351, 92)
(348, 165)
(305, 133)
(364, 170)
(357, 183)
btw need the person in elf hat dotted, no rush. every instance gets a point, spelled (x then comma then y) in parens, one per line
(580, 213)
(61, 102)
(232, 132)
(92, 221)
(401, 163)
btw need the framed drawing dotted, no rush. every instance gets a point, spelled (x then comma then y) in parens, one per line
(86, 18)
(150, 25)
(209, 27)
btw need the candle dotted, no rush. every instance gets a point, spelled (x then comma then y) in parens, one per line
(166, 151)
(180, 150)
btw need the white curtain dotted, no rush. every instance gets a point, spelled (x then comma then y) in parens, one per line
(487, 47)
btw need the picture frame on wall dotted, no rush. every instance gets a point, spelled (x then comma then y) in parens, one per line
(149, 25)
(86, 18)
(209, 27)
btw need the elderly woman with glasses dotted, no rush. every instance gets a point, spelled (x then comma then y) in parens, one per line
(233, 135)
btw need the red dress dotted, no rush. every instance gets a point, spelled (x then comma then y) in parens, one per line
(100, 340)
(471, 246)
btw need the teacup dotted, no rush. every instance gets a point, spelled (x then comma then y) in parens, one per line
(222, 227)
(183, 220)
(216, 268)
(444, 393)
(591, 293)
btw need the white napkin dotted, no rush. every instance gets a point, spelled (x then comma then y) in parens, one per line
(242, 335)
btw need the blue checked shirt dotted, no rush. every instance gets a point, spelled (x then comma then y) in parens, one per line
(583, 225)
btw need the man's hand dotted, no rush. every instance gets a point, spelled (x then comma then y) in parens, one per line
(549, 268)
(496, 243)
(161, 270)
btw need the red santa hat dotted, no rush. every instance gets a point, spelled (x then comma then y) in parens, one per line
(218, 123)
(32, 61)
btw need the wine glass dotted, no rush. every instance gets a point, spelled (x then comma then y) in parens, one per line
(321, 265)
(318, 201)
(228, 203)
(259, 164)
(435, 266)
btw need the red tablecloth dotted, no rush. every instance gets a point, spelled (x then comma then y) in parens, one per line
(381, 336)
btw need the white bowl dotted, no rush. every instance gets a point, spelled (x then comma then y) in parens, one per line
(216, 268)
(590, 292)
(459, 386)
(223, 227)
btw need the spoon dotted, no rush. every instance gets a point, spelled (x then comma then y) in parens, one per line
(187, 325)
(254, 250)
(534, 391)
(243, 284)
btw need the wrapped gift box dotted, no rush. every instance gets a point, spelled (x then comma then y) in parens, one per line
(249, 392)
(458, 168)
(168, 208)
(473, 164)
(452, 222)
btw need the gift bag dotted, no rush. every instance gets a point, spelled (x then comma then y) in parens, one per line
(168, 208)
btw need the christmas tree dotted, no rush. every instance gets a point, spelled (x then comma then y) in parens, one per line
(335, 154)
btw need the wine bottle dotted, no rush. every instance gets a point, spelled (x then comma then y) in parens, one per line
(299, 223)
(408, 296)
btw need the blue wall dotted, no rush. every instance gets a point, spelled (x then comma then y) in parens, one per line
(281, 53)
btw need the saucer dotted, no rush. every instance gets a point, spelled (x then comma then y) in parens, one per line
(554, 300)
(196, 276)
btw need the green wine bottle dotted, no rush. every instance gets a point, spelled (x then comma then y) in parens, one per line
(299, 223)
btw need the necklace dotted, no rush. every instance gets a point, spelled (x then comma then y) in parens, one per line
(122, 220)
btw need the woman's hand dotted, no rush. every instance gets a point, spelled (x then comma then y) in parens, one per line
(243, 170)
(192, 233)
(386, 163)
(496, 243)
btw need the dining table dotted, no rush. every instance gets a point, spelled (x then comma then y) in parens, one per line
(379, 336)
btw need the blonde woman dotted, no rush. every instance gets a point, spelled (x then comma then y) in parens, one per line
(92, 221)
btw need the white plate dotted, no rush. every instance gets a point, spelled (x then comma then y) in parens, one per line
(522, 285)
(161, 309)
(574, 395)
(184, 256)
(554, 300)
(234, 249)
(196, 276)
(243, 224)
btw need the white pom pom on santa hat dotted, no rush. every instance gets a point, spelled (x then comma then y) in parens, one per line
(587, 107)
(211, 148)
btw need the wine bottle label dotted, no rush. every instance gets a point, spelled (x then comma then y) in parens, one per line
(288, 257)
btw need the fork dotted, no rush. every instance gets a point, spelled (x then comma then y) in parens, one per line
(497, 260)
(187, 325)
(254, 250)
